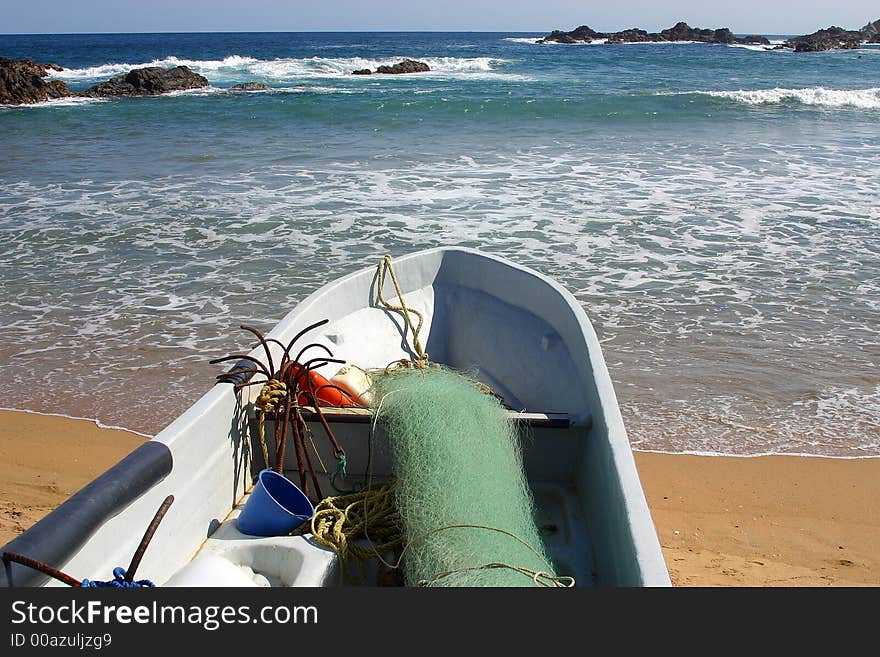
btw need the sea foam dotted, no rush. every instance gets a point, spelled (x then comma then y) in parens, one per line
(236, 67)
(819, 96)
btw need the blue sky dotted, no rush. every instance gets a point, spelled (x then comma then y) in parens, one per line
(760, 16)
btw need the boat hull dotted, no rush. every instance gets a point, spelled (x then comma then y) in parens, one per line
(515, 329)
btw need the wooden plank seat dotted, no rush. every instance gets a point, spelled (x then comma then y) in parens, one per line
(359, 415)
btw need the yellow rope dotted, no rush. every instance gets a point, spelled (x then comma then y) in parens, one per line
(339, 521)
(385, 265)
(539, 578)
(308, 434)
(270, 397)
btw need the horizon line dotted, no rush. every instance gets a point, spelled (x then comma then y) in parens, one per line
(347, 31)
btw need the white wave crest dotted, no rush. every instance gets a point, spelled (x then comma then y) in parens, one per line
(88, 73)
(753, 46)
(57, 102)
(859, 98)
(230, 64)
(236, 67)
(455, 64)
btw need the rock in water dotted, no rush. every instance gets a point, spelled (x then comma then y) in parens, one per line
(149, 81)
(832, 38)
(755, 40)
(21, 82)
(633, 35)
(406, 66)
(871, 31)
(250, 86)
(580, 34)
(681, 31)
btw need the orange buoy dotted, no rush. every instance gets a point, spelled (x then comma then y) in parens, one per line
(325, 392)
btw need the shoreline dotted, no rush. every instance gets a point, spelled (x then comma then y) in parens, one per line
(44, 459)
(100, 425)
(722, 520)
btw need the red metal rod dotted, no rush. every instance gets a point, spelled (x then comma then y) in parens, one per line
(309, 459)
(262, 342)
(44, 568)
(296, 337)
(243, 357)
(300, 458)
(148, 536)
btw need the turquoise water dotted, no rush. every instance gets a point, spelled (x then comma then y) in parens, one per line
(714, 208)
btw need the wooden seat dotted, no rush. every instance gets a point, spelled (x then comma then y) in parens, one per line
(359, 415)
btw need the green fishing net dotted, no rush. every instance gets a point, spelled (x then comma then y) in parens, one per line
(457, 460)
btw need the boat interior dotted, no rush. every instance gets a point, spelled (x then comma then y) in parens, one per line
(463, 329)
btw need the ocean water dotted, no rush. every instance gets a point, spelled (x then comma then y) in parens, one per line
(714, 209)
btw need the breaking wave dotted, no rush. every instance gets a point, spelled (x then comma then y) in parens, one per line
(236, 67)
(56, 102)
(819, 96)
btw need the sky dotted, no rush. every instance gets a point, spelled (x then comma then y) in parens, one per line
(742, 16)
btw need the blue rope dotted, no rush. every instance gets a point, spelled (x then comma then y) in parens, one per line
(118, 582)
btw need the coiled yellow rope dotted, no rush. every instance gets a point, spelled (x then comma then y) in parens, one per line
(271, 396)
(339, 521)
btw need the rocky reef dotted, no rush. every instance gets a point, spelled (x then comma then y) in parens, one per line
(832, 38)
(148, 81)
(681, 31)
(405, 66)
(250, 86)
(22, 83)
(871, 32)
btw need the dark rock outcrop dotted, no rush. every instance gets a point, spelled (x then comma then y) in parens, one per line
(754, 39)
(681, 31)
(250, 86)
(405, 66)
(633, 35)
(871, 31)
(22, 83)
(582, 34)
(832, 38)
(149, 81)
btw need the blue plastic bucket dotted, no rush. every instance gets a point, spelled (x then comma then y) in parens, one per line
(275, 507)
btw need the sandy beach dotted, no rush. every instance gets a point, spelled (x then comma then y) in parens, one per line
(44, 459)
(722, 521)
(765, 521)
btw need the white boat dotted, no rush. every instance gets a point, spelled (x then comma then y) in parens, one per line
(523, 335)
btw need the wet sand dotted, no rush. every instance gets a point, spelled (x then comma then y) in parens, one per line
(722, 521)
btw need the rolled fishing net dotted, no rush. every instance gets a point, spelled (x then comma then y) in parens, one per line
(466, 508)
